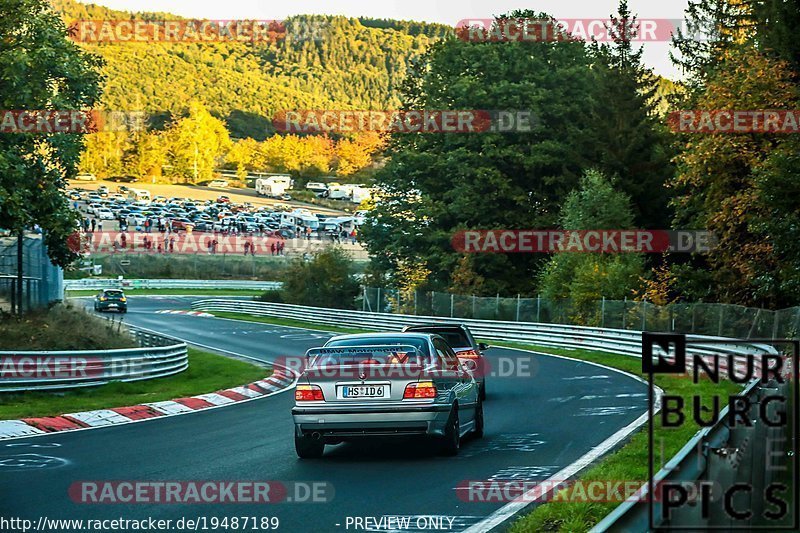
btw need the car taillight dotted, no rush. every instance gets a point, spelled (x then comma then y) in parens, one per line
(308, 393)
(423, 389)
(123, 299)
(468, 354)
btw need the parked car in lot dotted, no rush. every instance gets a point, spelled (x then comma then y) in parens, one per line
(385, 384)
(218, 183)
(111, 300)
(86, 177)
(105, 214)
(468, 350)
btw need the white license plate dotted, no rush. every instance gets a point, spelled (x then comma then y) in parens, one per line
(364, 391)
(112, 305)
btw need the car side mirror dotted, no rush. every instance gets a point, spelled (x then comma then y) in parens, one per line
(483, 346)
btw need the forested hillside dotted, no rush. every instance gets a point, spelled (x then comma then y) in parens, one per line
(323, 62)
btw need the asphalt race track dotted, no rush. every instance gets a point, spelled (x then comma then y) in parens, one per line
(544, 416)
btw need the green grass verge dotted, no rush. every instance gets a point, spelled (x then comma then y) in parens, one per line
(207, 372)
(175, 292)
(629, 462)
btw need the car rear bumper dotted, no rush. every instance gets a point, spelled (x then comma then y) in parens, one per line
(352, 422)
(108, 307)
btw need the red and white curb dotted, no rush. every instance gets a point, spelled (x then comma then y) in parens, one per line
(279, 381)
(183, 312)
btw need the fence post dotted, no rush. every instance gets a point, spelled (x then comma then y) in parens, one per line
(644, 315)
(538, 307)
(378, 303)
(364, 300)
(473, 306)
(399, 301)
(603, 313)
(451, 304)
(14, 296)
(721, 314)
(415, 301)
(497, 307)
(624, 310)
(517, 320)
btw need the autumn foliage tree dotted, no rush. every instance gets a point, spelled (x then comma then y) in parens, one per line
(717, 186)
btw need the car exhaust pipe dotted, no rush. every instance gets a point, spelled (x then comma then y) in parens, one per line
(316, 435)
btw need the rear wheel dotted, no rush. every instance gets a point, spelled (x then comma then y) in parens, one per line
(308, 447)
(478, 431)
(451, 442)
(483, 390)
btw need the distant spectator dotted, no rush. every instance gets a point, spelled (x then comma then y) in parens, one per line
(353, 236)
(94, 224)
(273, 248)
(246, 247)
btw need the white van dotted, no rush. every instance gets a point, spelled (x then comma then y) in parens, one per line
(139, 196)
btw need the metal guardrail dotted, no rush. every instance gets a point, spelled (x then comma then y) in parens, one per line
(98, 284)
(618, 341)
(159, 356)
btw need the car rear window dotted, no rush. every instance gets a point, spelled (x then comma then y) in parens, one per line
(455, 337)
(113, 294)
(380, 356)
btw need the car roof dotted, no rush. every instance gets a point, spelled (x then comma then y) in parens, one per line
(434, 326)
(378, 336)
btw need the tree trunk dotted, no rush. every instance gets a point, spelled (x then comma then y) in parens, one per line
(20, 271)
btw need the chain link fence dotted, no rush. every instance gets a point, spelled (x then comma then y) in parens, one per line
(722, 320)
(42, 282)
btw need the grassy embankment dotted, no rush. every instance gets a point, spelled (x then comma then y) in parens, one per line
(69, 328)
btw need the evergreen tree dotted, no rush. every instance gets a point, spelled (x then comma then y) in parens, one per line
(632, 145)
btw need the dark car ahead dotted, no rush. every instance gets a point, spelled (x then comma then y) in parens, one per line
(469, 351)
(111, 300)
